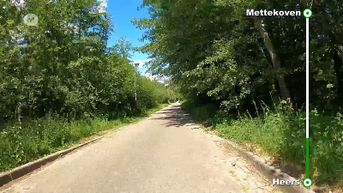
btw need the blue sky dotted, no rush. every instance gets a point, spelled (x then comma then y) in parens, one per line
(122, 13)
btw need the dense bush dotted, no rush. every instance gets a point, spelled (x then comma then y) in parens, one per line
(217, 54)
(62, 67)
(58, 80)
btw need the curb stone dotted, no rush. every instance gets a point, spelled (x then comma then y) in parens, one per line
(268, 171)
(7, 177)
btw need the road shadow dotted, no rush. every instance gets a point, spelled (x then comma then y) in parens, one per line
(174, 116)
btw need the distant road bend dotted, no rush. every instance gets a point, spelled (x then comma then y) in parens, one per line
(165, 153)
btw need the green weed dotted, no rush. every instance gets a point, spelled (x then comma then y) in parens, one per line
(281, 134)
(31, 140)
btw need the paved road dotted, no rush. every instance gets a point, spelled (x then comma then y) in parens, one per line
(165, 153)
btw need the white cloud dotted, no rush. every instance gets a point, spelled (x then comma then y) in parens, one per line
(160, 79)
(142, 68)
(102, 8)
(141, 63)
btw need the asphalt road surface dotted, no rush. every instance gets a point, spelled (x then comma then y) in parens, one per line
(166, 153)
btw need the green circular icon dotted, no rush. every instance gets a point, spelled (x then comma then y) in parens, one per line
(31, 19)
(307, 182)
(307, 13)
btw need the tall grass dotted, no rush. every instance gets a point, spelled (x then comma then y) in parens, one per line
(22, 143)
(280, 133)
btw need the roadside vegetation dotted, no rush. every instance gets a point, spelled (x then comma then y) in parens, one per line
(245, 76)
(21, 143)
(278, 134)
(59, 82)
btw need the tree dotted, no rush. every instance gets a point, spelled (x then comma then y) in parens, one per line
(62, 66)
(217, 54)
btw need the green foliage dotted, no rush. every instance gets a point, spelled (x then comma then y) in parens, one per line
(218, 56)
(281, 134)
(215, 53)
(200, 112)
(61, 67)
(59, 82)
(22, 143)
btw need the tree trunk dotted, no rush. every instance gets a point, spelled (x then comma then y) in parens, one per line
(338, 66)
(285, 94)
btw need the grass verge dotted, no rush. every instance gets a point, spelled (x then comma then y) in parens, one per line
(281, 135)
(20, 144)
